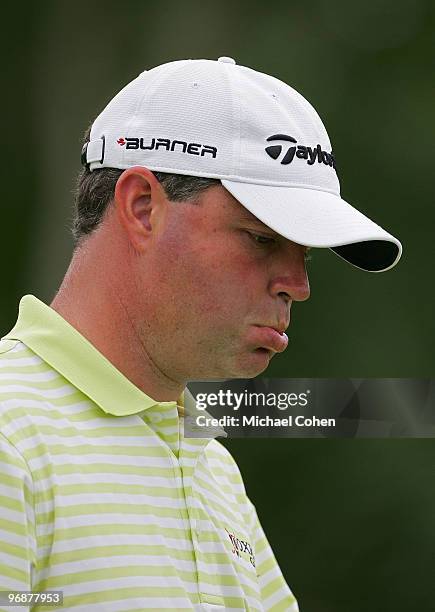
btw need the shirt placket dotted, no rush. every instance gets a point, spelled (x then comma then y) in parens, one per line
(191, 450)
(160, 418)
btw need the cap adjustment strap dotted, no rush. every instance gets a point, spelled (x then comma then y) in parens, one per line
(93, 151)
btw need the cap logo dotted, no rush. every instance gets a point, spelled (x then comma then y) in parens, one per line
(191, 148)
(310, 154)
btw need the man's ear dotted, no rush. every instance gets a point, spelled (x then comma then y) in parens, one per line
(141, 205)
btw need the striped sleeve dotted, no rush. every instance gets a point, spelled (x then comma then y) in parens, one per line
(275, 593)
(17, 522)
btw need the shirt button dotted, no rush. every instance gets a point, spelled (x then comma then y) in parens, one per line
(226, 60)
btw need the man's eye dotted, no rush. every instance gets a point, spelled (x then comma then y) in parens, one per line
(262, 240)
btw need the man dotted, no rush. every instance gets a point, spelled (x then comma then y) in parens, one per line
(204, 185)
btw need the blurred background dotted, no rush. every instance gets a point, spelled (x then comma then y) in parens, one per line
(352, 522)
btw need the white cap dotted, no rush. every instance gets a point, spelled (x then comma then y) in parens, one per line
(258, 135)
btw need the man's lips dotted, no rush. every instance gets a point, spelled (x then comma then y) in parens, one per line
(270, 338)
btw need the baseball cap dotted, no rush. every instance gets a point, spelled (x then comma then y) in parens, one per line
(259, 136)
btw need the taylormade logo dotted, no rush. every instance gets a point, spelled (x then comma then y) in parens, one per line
(192, 148)
(310, 154)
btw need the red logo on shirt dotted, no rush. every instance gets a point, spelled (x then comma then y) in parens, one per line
(241, 547)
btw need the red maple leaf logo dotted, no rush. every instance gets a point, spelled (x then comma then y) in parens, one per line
(121, 141)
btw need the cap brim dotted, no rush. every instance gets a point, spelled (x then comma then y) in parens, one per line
(320, 219)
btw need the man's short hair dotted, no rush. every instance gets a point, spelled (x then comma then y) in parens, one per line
(94, 192)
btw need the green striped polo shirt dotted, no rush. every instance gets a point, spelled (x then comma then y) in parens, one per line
(103, 498)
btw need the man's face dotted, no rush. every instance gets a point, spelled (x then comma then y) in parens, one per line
(215, 278)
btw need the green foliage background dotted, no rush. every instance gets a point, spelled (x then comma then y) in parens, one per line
(352, 522)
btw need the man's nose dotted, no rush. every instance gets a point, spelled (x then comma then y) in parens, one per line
(294, 283)
(293, 288)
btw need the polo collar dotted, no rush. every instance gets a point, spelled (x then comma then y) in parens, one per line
(66, 350)
(62, 346)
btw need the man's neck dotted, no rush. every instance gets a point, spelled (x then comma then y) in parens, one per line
(99, 313)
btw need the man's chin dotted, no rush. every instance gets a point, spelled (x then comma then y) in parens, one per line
(248, 365)
(253, 364)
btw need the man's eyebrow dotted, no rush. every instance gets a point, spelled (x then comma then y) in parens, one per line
(252, 219)
(244, 217)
